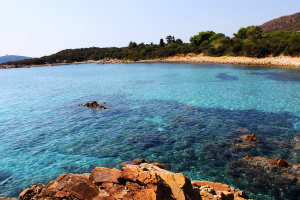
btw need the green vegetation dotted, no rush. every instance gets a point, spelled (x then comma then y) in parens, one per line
(247, 41)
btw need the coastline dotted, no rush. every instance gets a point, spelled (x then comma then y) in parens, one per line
(280, 61)
(137, 180)
(285, 62)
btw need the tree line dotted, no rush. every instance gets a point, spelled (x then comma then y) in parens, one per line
(247, 41)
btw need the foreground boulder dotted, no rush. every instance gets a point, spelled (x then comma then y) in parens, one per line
(140, 182)
(94, 105)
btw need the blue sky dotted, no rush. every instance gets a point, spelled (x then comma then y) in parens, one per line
(43, 27)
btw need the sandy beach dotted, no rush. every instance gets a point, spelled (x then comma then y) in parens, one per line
(279, 62)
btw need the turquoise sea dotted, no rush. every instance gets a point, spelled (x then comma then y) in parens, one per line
(183, 115)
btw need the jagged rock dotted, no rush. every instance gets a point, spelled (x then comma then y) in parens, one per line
(2, 198)
(93, 105)
(29, 193)
(279, 162)
(66, 186)
(142, 181)
(250, 138)
(139, 161)
(246, 142)
(102, 175)
(210, 190)
(162, 182)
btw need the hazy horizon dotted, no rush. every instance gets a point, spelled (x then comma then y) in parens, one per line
(37, 28)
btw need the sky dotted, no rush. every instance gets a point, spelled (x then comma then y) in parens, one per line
(37, 28)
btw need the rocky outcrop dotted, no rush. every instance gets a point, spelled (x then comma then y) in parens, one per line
(288, 23)
(209, 190)
(245, 141)
(140, 182)
(274, 173)
(94, 105)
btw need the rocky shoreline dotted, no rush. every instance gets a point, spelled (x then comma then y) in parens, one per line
(137, 180)
(279, 61)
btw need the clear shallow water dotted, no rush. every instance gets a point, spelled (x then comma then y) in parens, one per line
(183, 115)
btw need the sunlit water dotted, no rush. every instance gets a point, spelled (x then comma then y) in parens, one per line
(183, 115)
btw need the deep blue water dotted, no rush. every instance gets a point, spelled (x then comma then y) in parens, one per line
(183, 115)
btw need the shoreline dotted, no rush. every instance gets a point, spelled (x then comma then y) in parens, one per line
(285, 62)
(137, 180)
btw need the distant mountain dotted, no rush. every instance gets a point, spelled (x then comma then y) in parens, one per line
(8, 58)
(287, 23)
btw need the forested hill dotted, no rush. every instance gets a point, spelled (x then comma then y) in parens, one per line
(286, 23)
(8, 58)
(249, 42)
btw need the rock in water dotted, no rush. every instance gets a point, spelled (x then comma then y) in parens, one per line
(274, 174)
(140, 182)
(93, 105)
(250, 138)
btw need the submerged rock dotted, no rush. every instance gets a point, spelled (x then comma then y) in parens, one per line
(297, 139)
(275, 176)
(143, 181)
(94, 105)
(250, 138)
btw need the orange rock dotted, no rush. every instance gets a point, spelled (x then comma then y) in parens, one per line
(146, 194)
(278, 162)
(102, 196)
(101, 175)
(140, 182)
(130, 172)
(74, 185)
(272, 162)
(297, 138)
(248, 157)
(211, 191)
(61, 194)
(132, 189)
(215, 186)
(115, 190)
(281, 163)
(26, 194)
(207, 196)
(250, 138)
(2, 198)
(227, 196)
